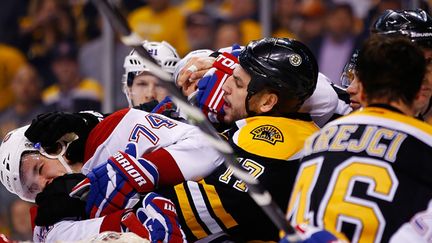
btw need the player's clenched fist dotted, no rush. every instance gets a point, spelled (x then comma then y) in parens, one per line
(116, 184)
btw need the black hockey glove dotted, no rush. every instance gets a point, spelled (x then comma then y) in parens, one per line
(48, 128)
(55, 204)
(148, 106)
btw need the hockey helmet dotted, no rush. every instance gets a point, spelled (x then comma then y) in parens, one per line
(162, 52)
(14, 145)
(283, 64)
(349, 70)
(414, 24)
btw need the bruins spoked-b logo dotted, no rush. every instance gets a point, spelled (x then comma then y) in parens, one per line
(267, 133)
(295, 60)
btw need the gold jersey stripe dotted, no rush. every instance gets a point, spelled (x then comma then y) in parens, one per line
(389, 119)
(188, 214)
(217, 206)
(380, 112)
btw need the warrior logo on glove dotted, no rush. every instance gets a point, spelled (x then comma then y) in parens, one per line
(129, 169)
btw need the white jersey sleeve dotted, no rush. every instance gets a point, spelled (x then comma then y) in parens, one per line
(73, 231)
(418, 230)
(164, 141)
(322, 103)
(68, 230)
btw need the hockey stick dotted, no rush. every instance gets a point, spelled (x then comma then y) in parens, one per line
(260, 195)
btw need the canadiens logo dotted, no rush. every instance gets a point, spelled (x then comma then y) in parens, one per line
(267, 133)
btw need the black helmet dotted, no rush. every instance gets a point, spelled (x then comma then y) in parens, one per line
(415, 24)
(282, 64)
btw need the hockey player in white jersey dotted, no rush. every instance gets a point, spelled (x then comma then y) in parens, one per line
(171, 152)
(165, 145)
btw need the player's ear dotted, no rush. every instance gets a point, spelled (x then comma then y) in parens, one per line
(267, 101)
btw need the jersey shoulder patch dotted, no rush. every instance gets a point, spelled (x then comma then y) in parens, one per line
(272, 137)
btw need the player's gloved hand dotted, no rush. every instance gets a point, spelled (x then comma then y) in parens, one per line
(117, 183)
(209, 94)
(148, 106)
(48, 128)
(310, 234)
(156, 220)
(164, 220)
(167, 108)
(54, 199)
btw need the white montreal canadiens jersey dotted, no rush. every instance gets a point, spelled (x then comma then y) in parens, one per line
(185, 144)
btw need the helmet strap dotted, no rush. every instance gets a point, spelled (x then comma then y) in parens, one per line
(65, 164)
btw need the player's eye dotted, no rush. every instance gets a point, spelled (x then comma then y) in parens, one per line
(238, 82)
(40, 169)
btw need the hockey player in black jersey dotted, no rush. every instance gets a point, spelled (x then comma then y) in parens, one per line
(415, 25)
(262, 97)
(369, 172)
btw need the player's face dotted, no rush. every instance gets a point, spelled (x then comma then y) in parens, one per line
(353, 91)
(235, 95)
(145, 88)
(37, 171)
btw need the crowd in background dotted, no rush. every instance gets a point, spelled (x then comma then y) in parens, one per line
(50, 51)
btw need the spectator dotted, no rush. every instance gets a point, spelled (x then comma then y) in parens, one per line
(335, 47)
(200, 30)
(310, 23)
(11, 60)
(245, 13)
(10, 13)
(47, 22)
(71, 92)
(27, 89)
(160, 21)
(226, 34)
(285, 11)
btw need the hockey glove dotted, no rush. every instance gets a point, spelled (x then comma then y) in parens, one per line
(148, 106)
(156, 220)
(310, 234)
(209, 96)
(54, 199)
(117, 183)
(167, 108)
(48, 128)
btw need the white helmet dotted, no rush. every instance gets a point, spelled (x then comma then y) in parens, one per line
(162, 52)
(11, 149)
(14, 145)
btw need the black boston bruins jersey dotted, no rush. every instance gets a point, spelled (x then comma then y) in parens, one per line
(364, 175)
(268, 148)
